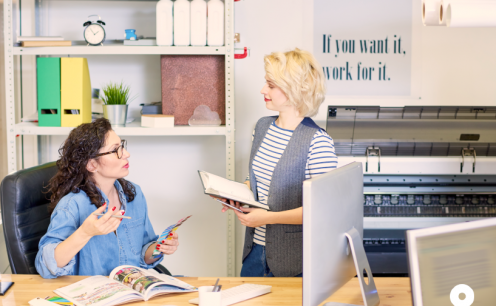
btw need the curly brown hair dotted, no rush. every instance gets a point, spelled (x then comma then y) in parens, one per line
(83, 143)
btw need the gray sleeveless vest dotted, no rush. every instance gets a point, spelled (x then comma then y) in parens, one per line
(283, 242)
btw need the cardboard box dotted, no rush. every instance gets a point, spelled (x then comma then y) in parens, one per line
(157, 121)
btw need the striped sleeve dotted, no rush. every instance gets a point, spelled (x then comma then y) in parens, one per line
(321, 155)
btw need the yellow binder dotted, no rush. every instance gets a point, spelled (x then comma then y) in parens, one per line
(75, 91)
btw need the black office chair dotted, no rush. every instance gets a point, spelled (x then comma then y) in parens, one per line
(25, 216)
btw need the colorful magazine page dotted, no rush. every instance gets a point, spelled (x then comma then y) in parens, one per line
(98, 291)
(125, 284)
(166, 235)
(149, 284)
(59, 300)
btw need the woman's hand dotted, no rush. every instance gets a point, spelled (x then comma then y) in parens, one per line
(94, 226)
(230, 202)
(169, 246)
(220, 199)
(235, 204)
(254, 217)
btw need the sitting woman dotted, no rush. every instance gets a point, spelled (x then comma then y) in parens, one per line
(90, 180)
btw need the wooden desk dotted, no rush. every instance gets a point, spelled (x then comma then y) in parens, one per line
(285, 291)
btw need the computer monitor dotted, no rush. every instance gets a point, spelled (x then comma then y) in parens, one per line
(333, 211)
(446, 261)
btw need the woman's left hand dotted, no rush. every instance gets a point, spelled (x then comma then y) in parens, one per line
(254, 217)
(169, 246)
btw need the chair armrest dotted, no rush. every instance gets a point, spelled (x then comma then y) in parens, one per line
(161, 269)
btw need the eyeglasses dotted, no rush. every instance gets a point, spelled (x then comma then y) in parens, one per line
(119, 150)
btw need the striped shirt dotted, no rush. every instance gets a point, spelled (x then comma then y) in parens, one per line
(321, 159)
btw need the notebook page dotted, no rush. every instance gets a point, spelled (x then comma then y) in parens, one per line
(229, 187)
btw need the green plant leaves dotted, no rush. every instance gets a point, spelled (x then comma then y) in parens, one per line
(116, 94)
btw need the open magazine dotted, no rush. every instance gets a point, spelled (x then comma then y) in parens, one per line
(125, 284)
(224, 188)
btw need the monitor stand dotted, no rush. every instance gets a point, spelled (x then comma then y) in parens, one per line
(369, 291)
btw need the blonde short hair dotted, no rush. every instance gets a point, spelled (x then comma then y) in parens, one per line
(298, 74)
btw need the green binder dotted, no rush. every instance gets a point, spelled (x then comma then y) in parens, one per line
(48, 82)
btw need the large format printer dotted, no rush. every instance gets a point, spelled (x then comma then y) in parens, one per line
(423, 167)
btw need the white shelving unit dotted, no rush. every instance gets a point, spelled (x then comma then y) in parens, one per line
(134, 129)
(113, 49)
(131, 129)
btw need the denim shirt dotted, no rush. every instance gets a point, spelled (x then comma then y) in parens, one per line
(102, 253)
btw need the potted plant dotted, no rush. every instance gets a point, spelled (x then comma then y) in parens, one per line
(115, 98)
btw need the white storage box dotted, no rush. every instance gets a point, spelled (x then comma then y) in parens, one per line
(157, 121)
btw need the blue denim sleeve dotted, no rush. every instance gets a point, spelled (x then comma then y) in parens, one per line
(149, 238)
(62, 225)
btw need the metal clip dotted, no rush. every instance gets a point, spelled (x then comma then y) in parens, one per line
(372, 151)
(246, 52)
(468, 152)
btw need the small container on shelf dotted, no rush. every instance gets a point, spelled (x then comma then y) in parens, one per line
(165, 23)
(154, 108)
(215, 23)
(182, 23)
(199, 23)
(130, 34)
(157, 121)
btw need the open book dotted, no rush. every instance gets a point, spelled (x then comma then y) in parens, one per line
(125, 284)
(224, 188)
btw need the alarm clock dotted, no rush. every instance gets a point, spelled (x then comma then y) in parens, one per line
(94, 33)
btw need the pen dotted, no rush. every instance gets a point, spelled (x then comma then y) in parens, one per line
(228, 205)
(114, 216)
(215, 286)
(218, 288)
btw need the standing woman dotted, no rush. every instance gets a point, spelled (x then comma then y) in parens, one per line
(286, 150)
(90, 179)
